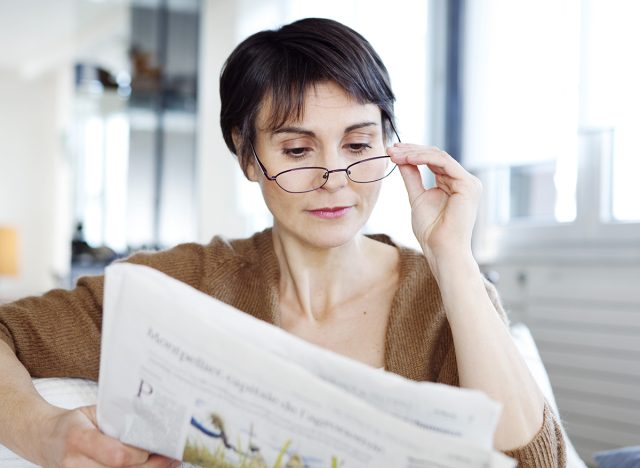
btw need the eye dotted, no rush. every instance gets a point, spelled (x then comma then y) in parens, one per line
(358, 148)
(297, 152)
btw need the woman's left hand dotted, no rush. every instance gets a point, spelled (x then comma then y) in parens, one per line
(442, 216)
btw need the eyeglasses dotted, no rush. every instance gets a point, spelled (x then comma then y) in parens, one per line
(308, 179)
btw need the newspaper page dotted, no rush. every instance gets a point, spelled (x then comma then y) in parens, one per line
(189, 377)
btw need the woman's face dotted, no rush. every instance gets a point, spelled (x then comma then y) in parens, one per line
(335, 131)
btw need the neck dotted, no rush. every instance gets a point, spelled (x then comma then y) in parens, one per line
(314, 280)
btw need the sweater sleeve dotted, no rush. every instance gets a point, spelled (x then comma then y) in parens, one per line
(546, 449)
(58, 334)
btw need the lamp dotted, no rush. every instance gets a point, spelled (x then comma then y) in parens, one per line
(8, 251)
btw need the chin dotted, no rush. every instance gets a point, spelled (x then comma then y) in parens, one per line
(327, 235)
(331, 239)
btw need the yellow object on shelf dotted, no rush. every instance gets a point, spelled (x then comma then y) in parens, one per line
(8, 251)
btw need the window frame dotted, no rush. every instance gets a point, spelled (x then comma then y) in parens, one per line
(591, 234)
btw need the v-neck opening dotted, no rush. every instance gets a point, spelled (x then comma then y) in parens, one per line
(271, 270)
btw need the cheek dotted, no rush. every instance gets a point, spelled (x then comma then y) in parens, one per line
(371, 192)
(276, 199)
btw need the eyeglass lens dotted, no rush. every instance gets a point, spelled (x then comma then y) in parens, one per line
(311, 178)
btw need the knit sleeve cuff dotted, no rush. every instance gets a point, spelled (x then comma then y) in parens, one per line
(547, 449)
(6, 337)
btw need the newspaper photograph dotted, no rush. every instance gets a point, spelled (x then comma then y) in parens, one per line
(187, 376)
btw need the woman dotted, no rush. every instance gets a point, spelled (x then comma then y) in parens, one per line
(308, 110)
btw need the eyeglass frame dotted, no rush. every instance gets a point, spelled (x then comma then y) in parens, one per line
(328, 172)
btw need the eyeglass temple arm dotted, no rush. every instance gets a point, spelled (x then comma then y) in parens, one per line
(264, 169)
(393, 127)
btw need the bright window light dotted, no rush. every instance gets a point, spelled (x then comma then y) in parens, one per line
(93, 186)
(116, 170)
(611, 73)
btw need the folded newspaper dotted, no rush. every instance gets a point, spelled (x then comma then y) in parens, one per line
(187, 376)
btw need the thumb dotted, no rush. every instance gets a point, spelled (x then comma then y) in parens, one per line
(412, 181)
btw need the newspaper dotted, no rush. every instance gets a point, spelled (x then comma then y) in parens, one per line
(187, 376)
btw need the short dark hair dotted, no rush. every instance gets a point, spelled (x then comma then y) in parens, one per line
(280, 65)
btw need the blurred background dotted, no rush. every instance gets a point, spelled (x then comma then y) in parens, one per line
(110, 143)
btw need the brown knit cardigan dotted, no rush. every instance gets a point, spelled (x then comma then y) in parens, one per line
(58, 334)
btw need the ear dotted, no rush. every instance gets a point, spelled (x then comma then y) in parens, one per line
(237, 140)
(250, 172)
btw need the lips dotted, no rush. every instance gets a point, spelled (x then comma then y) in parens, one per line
(331, 212)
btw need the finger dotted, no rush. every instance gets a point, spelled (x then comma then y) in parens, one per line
(438, 170)
(81, 461)
(159, 461)
(449, 172)
(405, 147)
(106, 450)
(438, 161)
(400, 153)
(412, 181)
(469, 186)
(443, 183)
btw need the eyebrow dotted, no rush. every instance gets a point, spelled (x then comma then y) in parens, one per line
(303, 131)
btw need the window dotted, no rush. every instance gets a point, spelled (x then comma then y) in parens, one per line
(611, 97)
(552, 124)
(102, 170)
(135, 131)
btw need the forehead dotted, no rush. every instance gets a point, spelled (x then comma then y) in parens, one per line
(321, 103)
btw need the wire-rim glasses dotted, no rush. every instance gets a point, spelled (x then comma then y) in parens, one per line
(310, 178)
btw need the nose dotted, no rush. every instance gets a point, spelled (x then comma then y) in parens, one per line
(336, 179)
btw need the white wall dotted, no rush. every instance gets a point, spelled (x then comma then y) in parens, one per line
(39, 46)
(34, 187)
(218, 211)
